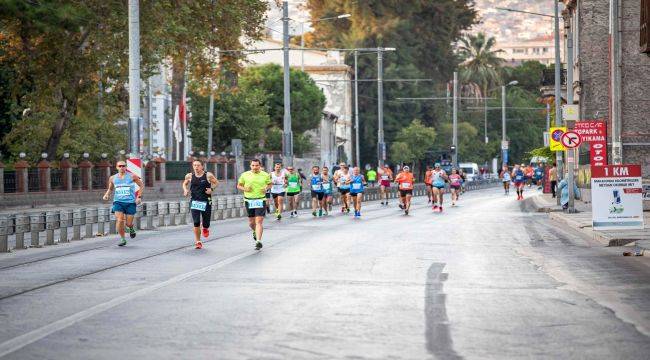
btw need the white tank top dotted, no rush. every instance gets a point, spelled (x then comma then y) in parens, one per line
(277, 182)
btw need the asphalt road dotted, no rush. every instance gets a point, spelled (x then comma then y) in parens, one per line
(484, 280)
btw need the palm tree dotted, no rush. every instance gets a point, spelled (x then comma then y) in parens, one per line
(481, 63)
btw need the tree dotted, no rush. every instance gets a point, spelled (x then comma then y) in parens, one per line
(481, 63)
(400, 153)
(307, 100)
(419, 139)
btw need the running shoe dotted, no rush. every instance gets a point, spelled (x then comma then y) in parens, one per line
(440, 209)
(206, 232)
(320, 212)
(435, 208)
(348, 210)
(122, 243)
(198, 245)
(131, 231)
(258, 245)
(406, 212)
(313, 213)
(453, 204)
(343, 209)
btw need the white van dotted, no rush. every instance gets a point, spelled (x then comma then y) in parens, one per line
(470, 170)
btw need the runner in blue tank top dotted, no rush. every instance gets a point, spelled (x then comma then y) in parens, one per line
(124, 199)
(328, 185)
(357, 182)
(317, 192)
(519, 178)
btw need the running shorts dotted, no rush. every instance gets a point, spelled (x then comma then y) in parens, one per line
(403, 193)
(124, 207)
(439, 186)
(255, 212)
(455, 187)
(293, 193)
(355, 194)
(198, 215)
(385, 183)
(519, 183)
(283, 194)
(344, 191)
(319, 195)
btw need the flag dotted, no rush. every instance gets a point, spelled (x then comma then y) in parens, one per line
(177, 126)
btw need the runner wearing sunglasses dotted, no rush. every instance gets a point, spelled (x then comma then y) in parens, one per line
(124, 199)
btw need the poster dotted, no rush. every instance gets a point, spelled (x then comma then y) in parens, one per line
(594, 132)
(616, 197)
(556, 135)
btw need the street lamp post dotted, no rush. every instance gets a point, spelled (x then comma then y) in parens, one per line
(504, 148)
(302, 34)
(356, 107)
(287, 135)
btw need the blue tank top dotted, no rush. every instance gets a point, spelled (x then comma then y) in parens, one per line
(317, 183)
(356, 184)
(519, 175)
(327, 186)
(124, 188)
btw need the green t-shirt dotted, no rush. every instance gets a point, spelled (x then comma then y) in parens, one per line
(293, 183)
(257, 182)
(371, 175)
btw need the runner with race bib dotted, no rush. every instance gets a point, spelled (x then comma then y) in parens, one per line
(278, 188)
(519, 178)
(438, 177)
(328, 185)
(357, 182)
(254, 184)
(201, 184)
(455, 183)
(317, 191)
(405, 181)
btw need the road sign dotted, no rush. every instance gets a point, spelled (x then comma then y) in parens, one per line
(547, 139)
(505, 144)
(617, 197)
(556, 135)
(134, 166)
(571, 139)
(571, 112)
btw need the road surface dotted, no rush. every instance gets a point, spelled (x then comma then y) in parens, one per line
(484, 280)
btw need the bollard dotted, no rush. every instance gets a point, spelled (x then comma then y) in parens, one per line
(230, 204)
(22, 224)
(102, 219)
(78, 217)
(163, 209)
(36, 223)
(91, 218)
(221, 205)
(65, 220)
(112, 226)
(51, 223)
(4, 242)
(173, 211)
(184, 208)
(150, 210)
(137, 218)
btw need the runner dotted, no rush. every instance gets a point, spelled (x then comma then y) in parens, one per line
(519, 180)
(463, 180)
(342, 179)
(278, 189)
(371, 175)
(539, 176)
(201, 184)
(529, 172)
(124, 199)
(294, 186)
(506, 178)
(357, 182)
(254, 184)
(384, 185)
(427, 183)
(438, 177)
(327, 189)
(455, 181)
(405, 182)
(317, 192)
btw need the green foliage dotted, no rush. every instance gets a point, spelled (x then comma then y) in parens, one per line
(400, 153)
(481, 63)
(419, 139)
(542, 152)
(307, 100)
(239, 114)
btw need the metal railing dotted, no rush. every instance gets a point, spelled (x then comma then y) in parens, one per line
(10, 185)
(56, 178)
(176, 170)
(60, 226)
(33, 183)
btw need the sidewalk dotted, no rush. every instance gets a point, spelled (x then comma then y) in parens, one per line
(581, 221)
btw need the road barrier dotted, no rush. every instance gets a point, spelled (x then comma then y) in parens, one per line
(53, 226)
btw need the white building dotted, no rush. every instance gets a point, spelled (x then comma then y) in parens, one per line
(540, 49)
(333, 140)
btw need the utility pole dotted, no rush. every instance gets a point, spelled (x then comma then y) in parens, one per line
(615, 81)
(210, 121)
(485, 120)
(356, 107)
(504, 151)
(287, 135)
(558, 86)
(149, 117)
(380, 108)
(134, 77)
(454, 140)
(572, 153)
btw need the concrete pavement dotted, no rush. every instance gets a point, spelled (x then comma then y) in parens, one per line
(484, 280)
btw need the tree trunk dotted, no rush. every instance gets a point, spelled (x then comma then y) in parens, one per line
(67, 109)
(178, 84)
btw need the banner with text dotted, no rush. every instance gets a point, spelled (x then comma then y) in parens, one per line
(616, 197)
(595, 133)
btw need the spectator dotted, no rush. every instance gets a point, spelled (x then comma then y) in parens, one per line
(552, 177)
(371, 176)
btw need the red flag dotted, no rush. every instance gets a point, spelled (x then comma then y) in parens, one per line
(182, 109)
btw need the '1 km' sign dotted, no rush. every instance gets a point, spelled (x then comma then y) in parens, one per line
(571, 140)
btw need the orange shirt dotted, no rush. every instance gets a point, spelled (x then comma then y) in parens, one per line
(405, 180)
(427, 177)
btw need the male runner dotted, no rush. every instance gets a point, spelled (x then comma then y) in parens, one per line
(529, 173)
(357, 181)
(405, 181)
(327, 189)
(438, 177)
(386, 176)
(427, 183)
(279, 182)
(124, 199)
(342, 179)
(201, 184)
(317, 192)
(455, 183)
(294, 186)
(254, 184)
(371, 175)
(506, 178)
(519, 178)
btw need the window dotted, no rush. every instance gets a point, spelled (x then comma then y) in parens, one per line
(518, 51)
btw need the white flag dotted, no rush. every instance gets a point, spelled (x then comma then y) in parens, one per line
(177, 126)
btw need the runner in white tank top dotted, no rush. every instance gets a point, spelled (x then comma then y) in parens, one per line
(278, 188)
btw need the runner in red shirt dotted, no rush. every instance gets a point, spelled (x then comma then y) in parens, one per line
(405, 182)
(427, 183)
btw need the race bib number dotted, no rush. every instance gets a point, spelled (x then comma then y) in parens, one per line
(277, 188)
(316, 187)
(405, 185)
(293, 184)
(326, 186)
(519, 178)
(384, 177)
(198, 205)
(356, 186)
(255, 204)
(122, 191)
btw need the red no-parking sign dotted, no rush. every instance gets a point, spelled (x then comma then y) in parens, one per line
(571, 139)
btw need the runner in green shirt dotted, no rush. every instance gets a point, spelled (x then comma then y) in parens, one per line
(294, 184)
(254, 184)
(371, 176)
